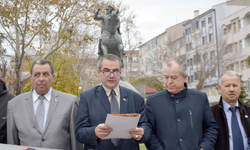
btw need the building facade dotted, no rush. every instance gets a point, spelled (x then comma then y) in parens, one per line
(236, 33)
(154, 52)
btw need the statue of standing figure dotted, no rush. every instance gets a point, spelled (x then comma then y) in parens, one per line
(110, 40)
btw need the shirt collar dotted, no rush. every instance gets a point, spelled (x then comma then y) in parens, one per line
(47, 95)
(226, 106)
(108, 90)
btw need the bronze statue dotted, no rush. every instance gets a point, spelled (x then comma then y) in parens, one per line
(110, 40)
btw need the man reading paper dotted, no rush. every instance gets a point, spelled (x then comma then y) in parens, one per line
(109, 98)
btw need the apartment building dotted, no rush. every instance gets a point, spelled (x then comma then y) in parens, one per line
(154, 52)
(236, 34)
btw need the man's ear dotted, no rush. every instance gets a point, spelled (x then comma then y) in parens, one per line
(219, 89)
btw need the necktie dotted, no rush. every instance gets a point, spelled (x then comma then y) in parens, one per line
(237, 136)
(114, 110)
(40, 113)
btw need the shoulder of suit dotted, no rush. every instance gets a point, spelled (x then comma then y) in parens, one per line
(158, 95)
(20, 97)
(64, 94)
(129, 91)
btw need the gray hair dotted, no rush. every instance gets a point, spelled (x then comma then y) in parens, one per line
(230, 73)
(42, 62)
(180, 62)
(111, 57)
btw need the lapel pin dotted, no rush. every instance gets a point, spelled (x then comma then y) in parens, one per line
(246, 116)
(56, 100)
(124, 99)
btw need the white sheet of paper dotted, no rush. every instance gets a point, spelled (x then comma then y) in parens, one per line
(120, 126)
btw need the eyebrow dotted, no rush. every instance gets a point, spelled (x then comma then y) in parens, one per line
(110, 69)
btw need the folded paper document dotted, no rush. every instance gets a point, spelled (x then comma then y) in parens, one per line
(121, 124)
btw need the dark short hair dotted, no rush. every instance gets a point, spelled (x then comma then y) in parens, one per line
(111, 57)
(42, 62)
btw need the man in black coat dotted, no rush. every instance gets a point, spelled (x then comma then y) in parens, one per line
(230, 88)
(4, 98)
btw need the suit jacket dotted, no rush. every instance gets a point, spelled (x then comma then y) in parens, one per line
(181, 121)
(222, 142)
(59, 129)
(92, 111)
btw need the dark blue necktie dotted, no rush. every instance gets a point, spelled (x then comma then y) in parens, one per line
(237, 136)
(114, 110)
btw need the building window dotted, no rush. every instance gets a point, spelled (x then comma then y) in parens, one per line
(197, 24)
(239, 25)
(241, 66)
(227, 68)
(225, 31)
(212, 56)
(192, 78)
(210, 20)
(203, 24)
(203, 40)
(229, 29)
(190, 46)
(232, 67)
(240, 45)
(237, 67)
(191, 62)
(210, 37)
(186, 47)
(154, 43)
(234, 27)
(235, 47)
(148, 46)
(205, 57)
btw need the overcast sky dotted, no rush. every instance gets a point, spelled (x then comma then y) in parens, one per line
(154, 16)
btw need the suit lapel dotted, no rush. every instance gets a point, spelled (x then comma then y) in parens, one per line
(102, 97)
(30, 109)
(123, 101)
(52, 107)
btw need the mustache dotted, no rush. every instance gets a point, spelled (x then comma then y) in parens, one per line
(230, 93)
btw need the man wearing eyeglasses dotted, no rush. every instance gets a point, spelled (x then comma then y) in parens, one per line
(99, 101)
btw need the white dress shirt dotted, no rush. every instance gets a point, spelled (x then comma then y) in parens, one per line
(109, 95)
(228, 114)
(46, 102)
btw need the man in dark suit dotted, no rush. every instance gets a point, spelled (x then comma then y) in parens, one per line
(97, 102)
(181, 118)
(43, 117)
(5, 96)
(234, 131)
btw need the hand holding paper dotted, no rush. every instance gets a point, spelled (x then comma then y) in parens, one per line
(102, 130)
(121, 124)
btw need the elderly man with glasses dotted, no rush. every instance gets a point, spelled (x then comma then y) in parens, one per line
(109, 98)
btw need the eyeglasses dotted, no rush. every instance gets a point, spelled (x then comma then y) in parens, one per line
(108, 73)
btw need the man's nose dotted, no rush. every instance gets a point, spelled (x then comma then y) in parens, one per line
(41, 77)
(231, 88)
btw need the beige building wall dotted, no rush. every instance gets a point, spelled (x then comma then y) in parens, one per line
(236, 33)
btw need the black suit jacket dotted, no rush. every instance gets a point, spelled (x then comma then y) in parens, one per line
(222, 142)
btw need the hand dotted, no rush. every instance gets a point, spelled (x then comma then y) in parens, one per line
(202, 149)
(102, 130)
(137, 133)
